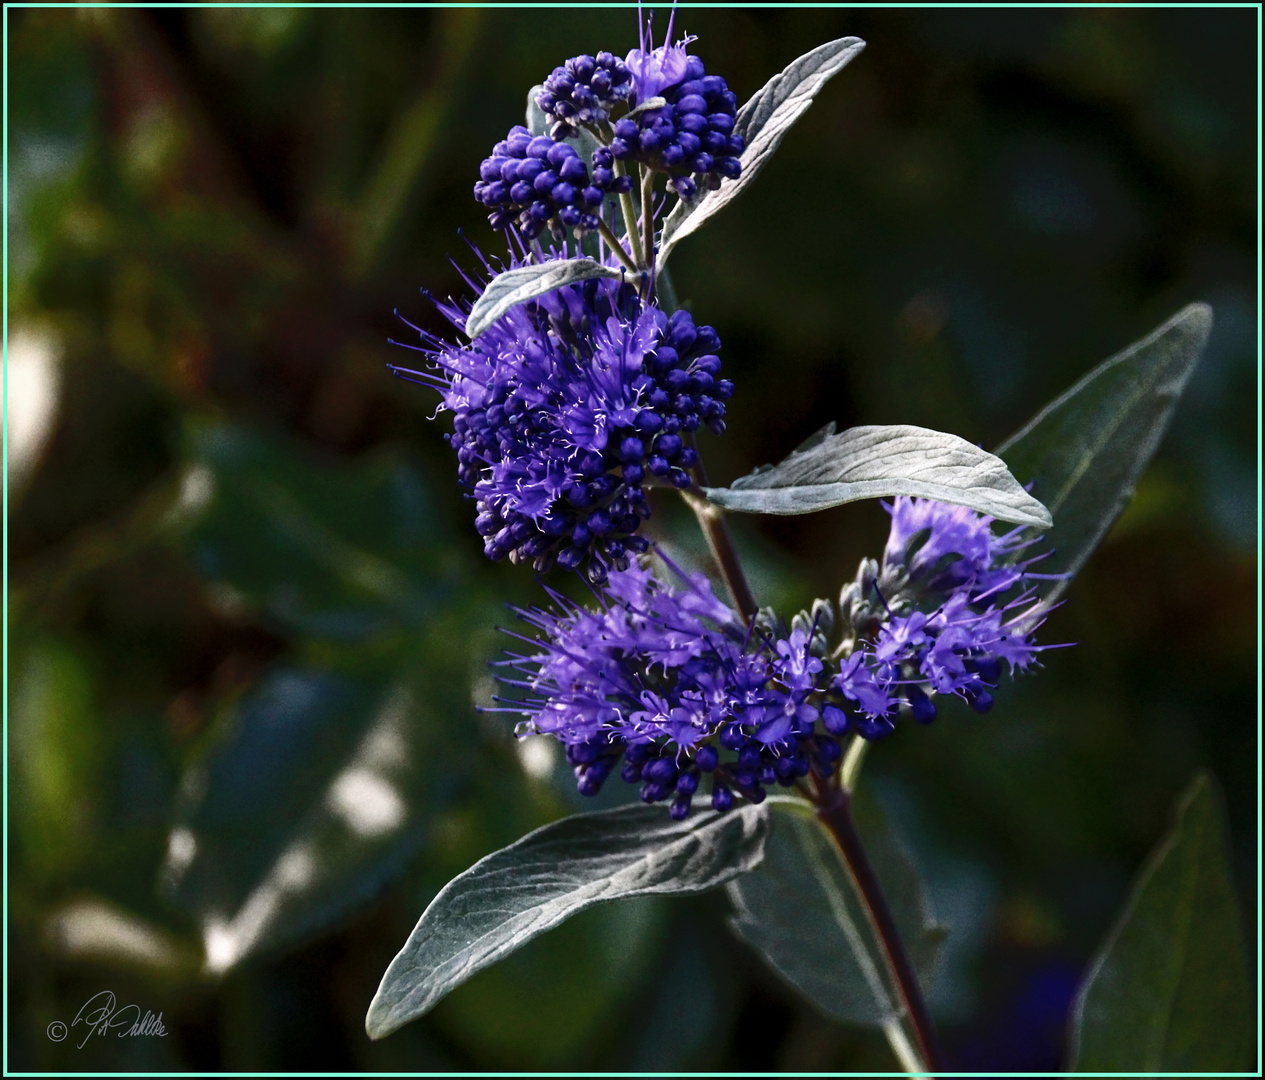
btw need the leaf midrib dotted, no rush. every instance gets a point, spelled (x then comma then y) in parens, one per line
(1181, 942)
(1108, 431)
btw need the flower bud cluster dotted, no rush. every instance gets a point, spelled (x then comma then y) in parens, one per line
(534, 181)
(691, 137)
(583, 91)
(565, 409)
(676, 119)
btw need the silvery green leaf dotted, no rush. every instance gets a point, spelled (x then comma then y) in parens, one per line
(800, 910)
(524, 283)
(884, 460)
(537, 121)
(762, 122)
(518, 893)
(1085, 451)
(1169, 991)
(815, 439)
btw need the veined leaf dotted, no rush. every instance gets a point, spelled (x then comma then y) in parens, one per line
(1168, 991)
(762, 122)
(523, 283)
(884, 460)
(518, 893)
(1084, 452)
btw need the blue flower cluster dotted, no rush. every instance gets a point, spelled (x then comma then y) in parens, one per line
(531, 181)
(668, 680)
(939, 617)
(583, 91)
(691, 137)
(535, 182)
(569, 406)
(671, 681)
(565, 409)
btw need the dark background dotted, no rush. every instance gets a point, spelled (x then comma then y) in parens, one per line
(248, 614)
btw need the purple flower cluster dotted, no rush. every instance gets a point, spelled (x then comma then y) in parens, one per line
(583, 91)
(533, 181)
(942, 617)
(691, 137)
(562, 412)
(668, 680)
(671, 682)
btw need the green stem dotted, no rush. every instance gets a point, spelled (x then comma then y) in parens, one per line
(630, 221)
(613, 243)
(903, 1049)
(850, 770)
(647, 211)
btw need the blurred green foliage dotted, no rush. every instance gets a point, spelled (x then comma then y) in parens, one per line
(248, 619)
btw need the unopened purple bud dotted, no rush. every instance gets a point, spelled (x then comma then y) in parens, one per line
(834, 719)
(648, 421)
(922, 708)
(631, 450)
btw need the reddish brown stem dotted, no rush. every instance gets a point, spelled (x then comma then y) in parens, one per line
(835, 812)
(711, 519)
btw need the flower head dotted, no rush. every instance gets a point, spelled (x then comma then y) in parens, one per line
(691, 136)
(583, 91)
(533, 182)
(565, 408)
(669, 680)
(935, 549)
(951, 602)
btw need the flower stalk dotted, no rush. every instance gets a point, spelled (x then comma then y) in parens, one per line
(711, 519)
(835, 813)
(833, 803)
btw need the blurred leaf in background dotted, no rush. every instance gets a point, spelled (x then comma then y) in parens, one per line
(248, 618)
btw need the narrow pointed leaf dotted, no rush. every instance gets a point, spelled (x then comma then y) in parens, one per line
(762, 122)
(1168, 991)
(799, 909)
(525, 283)
(516, 894)
(884, 460)
(1084, 452)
